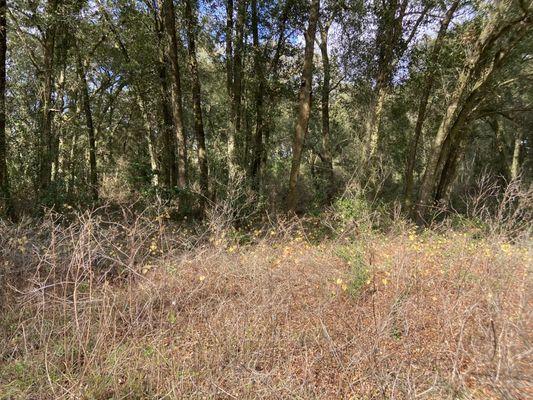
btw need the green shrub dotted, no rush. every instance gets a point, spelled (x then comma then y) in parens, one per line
(359, 212)
(360, 272)
(350, 209)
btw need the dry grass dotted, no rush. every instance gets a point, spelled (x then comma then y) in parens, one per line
(145, 310)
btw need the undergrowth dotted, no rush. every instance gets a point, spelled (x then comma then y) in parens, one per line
(124, 304)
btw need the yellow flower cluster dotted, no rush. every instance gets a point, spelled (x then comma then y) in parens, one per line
(341, 284)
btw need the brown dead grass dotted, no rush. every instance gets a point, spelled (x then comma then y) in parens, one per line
(438, 316)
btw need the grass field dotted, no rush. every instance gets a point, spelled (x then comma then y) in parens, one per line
(147, 309)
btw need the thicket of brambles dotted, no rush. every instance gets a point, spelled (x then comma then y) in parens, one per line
(244, 199)
(412, 101)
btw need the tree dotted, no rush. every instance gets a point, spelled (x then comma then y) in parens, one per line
(393, 23)
(304, 104)
(501, 32)
(101, 103)
(326, 88)
(172, 57)
(266, 80)
(133, 76)
(190, 14)
(236, 90)
(424, 99)
(47, 140)
(86, 101)
(4, 180)
(257, 152)
(515, 165)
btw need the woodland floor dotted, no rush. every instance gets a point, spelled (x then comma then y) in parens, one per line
(401, 315)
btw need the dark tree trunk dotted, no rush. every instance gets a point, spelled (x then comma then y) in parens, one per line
(169, 24)
(232, 156)
(304, 105)
(255, 168)
(90, 125)
(191, 13)
(47, 139)
(229, 48)
(326, 138)
(236, 104)
(449, 172)
(169, 172)
(4, 181)
(169, 168)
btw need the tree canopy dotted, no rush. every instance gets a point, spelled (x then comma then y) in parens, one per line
(293, 101)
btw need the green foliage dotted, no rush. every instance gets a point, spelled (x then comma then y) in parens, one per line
(350, 209)
(122, 51)
(360, 273)
(357, 212)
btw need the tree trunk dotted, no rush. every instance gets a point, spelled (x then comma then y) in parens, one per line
(389, 30)
(469, 90)
(4, 181)
(60, 101)
(169, 173)
(47, 139)
(229, 48)
(449, 172)
(390, 48)
(501, 147)
(232, 157)
(197, 100)
(515, 165)
(235, 119)
(169, 23)
(304, 105)
(149, 140)
(255, 168)
(93, 175)
(374, 122)
(447, 157)
(70, 164)
(424, 99)
(326, 139)
(169, 169)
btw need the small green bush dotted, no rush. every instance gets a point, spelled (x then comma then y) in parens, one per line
(359, 269)
(351, 209)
